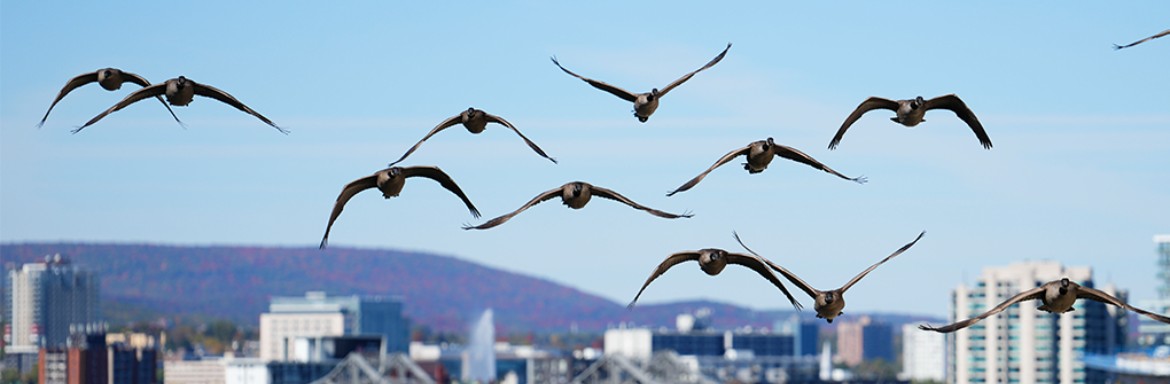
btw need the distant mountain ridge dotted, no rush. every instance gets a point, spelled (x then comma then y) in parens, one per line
(440, 292)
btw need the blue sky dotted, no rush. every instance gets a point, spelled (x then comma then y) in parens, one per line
(1080, 171)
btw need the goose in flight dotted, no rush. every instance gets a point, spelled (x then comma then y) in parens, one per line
(1057, 296)
(475, 121)
(109, 78)
(644, 103)
(759, 154)
(712, 261)
(575, 195)
(180, 92)
(911, 112)
(828, 304)
(1160, 34)
(390, 181)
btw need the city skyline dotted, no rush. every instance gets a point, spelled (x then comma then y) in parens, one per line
(1078, 173)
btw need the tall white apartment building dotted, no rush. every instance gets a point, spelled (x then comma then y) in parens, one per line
(1023, 344)
(279, 331)
(923, 355)
(44, 299)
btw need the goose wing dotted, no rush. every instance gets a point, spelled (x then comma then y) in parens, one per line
(536, 200)
(624, 94)
(501, 121)
(1084, 292)
(134, 78)
(1031, 294)
(451, 121)
(869, 104)
(668, 87)
(434, 173)
(956, 105)
(215, 93)
(872, 267)
(151, 91)
(1160, 34)
(722, 160)
(347, 193)
(73, 83)
(670, 261)
(801, 157)
(610, 194)
(757, 264)
(812, 292)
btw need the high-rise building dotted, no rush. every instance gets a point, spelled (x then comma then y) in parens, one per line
(316, 315)
(1026, 345)
(923, 355)
(1152, 332)
(44, 299)
(863, 340)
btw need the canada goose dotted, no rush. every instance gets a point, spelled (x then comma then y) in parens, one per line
(644, 103)
(759, 155)
(828, 304)
(575, 195)
(390, 181)
(109, 78)
(1056, 296)
(1160, 34)
(475, 121)
(712, 261)
(911, 112)
(180, 91)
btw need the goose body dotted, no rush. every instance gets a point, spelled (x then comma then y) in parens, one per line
(644, 103)
(912, 112)
(712, 261)
(110, 79)
(180, 92)
(475, 121)
(576, 195)
(828, 304)
(1057, 296)
(759, 154)
(390, 182)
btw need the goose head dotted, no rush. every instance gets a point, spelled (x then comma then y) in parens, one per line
(917, 103)
(712, 261)
(1064, 284)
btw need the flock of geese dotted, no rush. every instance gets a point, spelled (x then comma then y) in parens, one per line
(1055, 296)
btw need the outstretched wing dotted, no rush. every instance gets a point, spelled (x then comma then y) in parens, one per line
(866, 106)
(347, 193)
(670, 261)
(756, 263)
(451, 121)
(501, 121)
(215, 93)
(434, 173)
(73, 83)
(1160, 34)
(1031, 294)
(610, 194)
(151, 91)
(536, 200)
(957, 106)
(812, 292)
(801, 157)
(668, 87)
(134, 78)
(1084, 292)
(722, 160)
(872, 267)
(624, 94)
